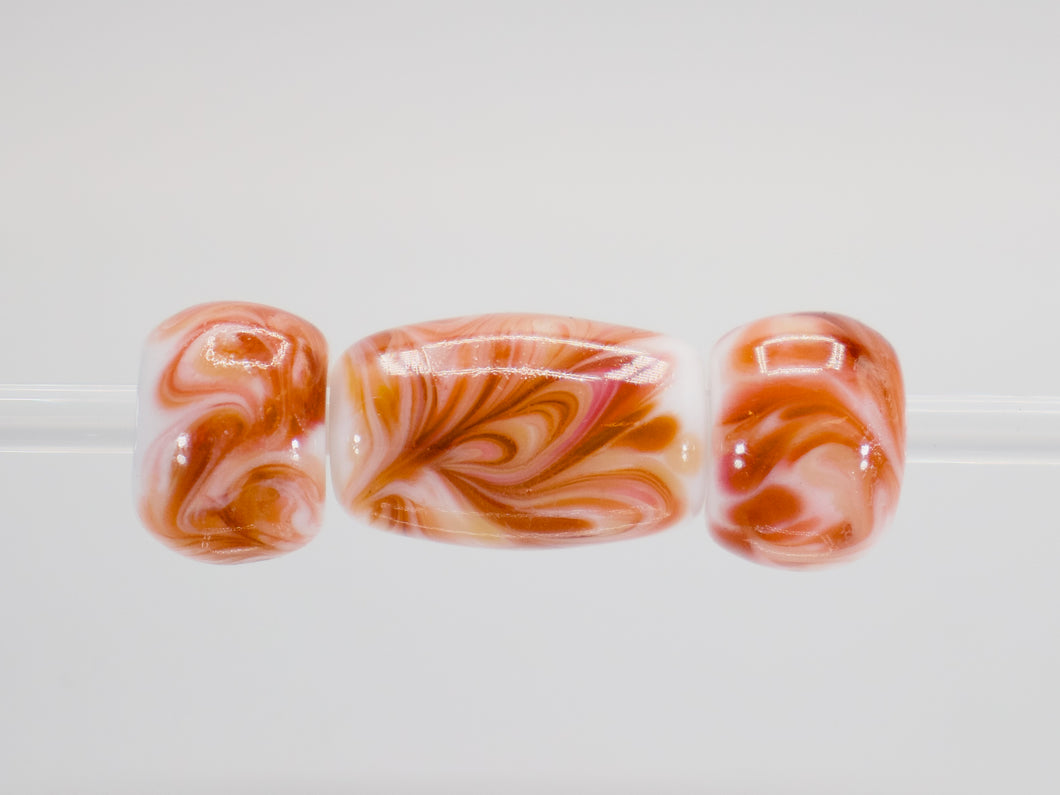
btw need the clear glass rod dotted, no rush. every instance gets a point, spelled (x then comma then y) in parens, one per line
(943, 429)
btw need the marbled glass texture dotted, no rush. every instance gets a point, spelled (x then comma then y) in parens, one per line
(518, 430)
(231, 441)
(808, 438)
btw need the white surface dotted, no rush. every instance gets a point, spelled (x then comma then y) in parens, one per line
(681, 167)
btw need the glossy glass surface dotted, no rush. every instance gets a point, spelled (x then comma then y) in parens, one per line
(518, 430)
(230, 448)
(808, 438)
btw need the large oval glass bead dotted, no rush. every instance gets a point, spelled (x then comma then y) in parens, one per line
(518, 429)
(231, 440)
(807, 438)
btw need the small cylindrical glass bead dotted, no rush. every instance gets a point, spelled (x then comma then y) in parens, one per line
(807, 438)
(229, 462)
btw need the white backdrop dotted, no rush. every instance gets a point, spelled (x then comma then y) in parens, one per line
(684, 167)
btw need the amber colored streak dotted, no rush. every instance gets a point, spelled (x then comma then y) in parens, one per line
(536, 437)
(800, 494)
(240, 495)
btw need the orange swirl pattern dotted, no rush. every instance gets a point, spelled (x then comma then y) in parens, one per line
(518, 430)
(230, 439)
(808, 438)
